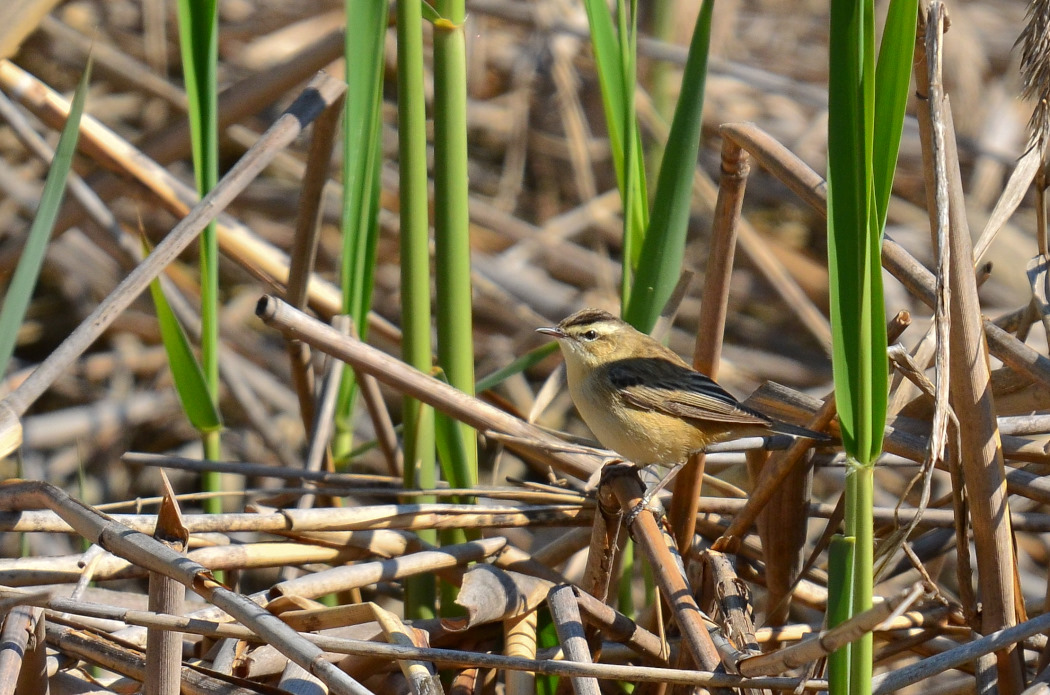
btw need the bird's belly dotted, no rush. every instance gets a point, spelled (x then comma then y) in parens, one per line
(643, 437)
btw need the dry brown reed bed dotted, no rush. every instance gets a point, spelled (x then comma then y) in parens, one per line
(751, 520)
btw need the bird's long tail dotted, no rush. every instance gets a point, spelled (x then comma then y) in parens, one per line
(796, 431)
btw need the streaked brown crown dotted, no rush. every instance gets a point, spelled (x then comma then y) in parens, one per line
(586, 317)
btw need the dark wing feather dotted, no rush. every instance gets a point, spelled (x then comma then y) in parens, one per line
(659, 385)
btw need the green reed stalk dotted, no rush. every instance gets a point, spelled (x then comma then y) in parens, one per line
(362, 162)
(199, 42)
(862, 157)
(420, 469)
(614, 58)
(451, 220)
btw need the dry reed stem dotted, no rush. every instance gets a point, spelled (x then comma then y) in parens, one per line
(667, 569)
(304, 247)
(31, 571)
(362, 574)
(979, 450)
(318, 455)
(262, 470)
(18, 628)
(388, 516)
(565, 614)
(163, 648)
(606, 542)
(519, 638)
(711, 328)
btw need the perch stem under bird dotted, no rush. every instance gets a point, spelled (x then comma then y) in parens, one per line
(644, 402)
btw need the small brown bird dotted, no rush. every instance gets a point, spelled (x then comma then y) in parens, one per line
(642, 400)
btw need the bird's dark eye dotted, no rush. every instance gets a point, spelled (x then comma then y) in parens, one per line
(590, 335)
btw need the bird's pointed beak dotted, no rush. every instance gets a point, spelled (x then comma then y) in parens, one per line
(553, 331)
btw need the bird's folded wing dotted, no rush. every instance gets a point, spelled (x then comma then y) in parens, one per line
(679, 392)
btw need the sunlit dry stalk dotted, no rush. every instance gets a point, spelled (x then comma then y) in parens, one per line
(166, 595)
(19, 625)
(707, 351)
(980, 448)
(569, 624)
(934, 57)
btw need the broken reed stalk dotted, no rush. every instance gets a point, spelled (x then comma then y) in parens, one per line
(19, 628)
(321, 92)
(157, 557)
(565, 613)
(607, 542)
(979, 449)
(711, 328)
(166, 595)
(304, 247)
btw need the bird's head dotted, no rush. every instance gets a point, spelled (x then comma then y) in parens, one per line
(592, 337)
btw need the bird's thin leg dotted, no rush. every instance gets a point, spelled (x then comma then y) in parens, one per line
(651, 493)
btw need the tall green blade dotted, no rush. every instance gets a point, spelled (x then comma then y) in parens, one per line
(199, 43)
(660, 263)
(20, 291)
(854, 260)
(186, 372)
(617, 90)
(892, 79)
(362, 161)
